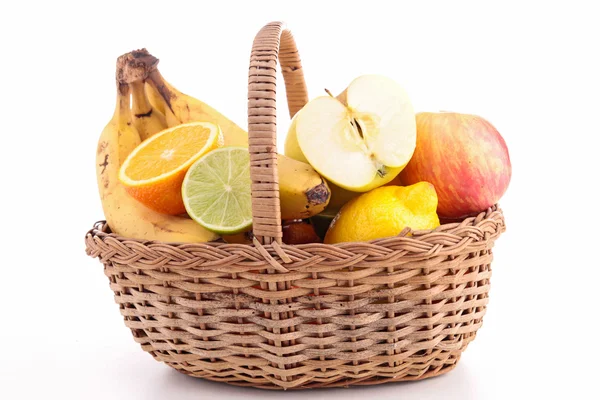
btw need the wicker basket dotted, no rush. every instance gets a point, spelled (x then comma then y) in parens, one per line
(276, 316)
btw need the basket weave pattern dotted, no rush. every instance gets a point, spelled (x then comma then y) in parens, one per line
(275, 316)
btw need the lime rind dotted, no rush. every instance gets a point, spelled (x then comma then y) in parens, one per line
(216, 191)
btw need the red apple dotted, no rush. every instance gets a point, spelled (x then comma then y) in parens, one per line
(464, 157)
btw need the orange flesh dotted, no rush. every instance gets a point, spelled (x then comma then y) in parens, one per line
(167, 153)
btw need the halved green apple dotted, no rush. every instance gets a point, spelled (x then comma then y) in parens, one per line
(361, 139)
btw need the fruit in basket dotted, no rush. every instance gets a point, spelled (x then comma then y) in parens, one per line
(360, 140)
(154, 171)
(385, 212)
(299, 232)
(126, 216)
(216, 191)
(464, 157)
(302, 191)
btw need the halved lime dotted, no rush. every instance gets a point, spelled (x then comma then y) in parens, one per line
(216, 190)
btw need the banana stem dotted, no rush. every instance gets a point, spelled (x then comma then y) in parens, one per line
(135, 66)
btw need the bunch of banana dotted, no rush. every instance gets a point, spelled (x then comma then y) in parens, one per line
(154, 106)
(125, 215)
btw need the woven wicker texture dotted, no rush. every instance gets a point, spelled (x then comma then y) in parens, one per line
(270, 44)
(276, 316)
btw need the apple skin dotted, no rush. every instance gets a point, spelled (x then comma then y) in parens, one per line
(464, 157)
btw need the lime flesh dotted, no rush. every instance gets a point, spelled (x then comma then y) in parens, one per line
(216, 191)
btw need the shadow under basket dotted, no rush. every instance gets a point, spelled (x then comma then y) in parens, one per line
(277, 316)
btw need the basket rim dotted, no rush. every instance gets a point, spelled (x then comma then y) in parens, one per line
(477, 233)
(101, 229)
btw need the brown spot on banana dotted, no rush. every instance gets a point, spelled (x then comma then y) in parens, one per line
(104, 164)
(318, 194)
(144, 115)
(158, 227)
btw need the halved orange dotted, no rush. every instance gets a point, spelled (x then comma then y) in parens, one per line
(154, 171)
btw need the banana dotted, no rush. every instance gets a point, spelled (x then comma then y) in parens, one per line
(126, 216)
(239, 238)
(146, 119)
(155, 99)
(302, 191)
(181, 108)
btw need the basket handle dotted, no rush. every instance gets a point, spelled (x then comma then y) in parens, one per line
(272, 42)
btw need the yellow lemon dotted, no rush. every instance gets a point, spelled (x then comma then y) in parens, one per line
(385, 212)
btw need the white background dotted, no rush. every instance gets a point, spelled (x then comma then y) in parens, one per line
(531, 69)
